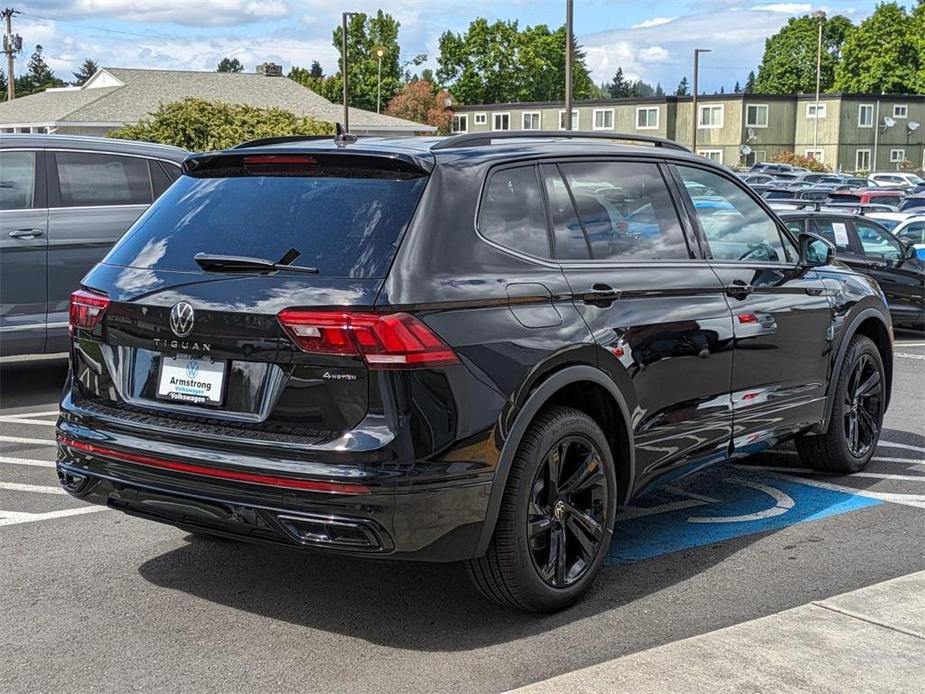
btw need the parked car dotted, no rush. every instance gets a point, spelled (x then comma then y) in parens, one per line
(868, 195)
(898, 179)
(64, 201)
(852, 182)
(752, 179)
(867, 247)
(472, 348)
(909, 229)
(816, 178)
(913, 203)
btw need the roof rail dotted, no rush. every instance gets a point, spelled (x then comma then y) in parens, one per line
(279, 139)
(485, 139)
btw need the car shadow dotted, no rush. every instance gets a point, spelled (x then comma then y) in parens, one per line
(32, 383)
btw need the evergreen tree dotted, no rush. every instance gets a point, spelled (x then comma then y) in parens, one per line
(315, 71)
(658, 90)
(683, 88)
(85, 72)
(230, 65)
(750, 83)
(738, 88)
(618, 87)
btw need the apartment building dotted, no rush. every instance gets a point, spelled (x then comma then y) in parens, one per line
(848, 132)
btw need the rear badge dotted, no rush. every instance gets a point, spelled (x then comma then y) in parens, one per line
(182, 318)
(338, 377)
(182, 346)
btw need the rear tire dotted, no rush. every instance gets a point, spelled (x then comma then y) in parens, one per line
(556, 518)
(857, 414)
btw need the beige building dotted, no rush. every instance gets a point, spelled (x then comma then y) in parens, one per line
(848, 132)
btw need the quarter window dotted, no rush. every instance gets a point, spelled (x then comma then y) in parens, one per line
(86, 178)
(512, 214)
(17, 180)
(735, 226)
(756, 115)
(613, 211)
(647, 118)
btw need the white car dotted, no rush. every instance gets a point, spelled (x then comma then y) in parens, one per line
(896, 179)
(904, 226)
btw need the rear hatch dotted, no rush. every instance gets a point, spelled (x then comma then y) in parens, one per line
(192, 327)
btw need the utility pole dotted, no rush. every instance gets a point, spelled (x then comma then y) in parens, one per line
(697, 52)
(819, 16)
(568, 64)
(343, 60)
(12, 44)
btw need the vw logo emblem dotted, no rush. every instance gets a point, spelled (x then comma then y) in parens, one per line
(182, 318)
(192, 369)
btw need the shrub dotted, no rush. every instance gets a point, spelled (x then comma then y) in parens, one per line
(795, 159)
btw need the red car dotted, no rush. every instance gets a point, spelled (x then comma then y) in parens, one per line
(864, 196)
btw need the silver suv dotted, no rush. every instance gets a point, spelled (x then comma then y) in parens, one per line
(64, 201)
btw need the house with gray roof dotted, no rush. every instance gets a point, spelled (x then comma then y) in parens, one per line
(114, 97)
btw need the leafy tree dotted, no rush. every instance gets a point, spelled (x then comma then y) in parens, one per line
(315, 71)
(420, 101)
(789, 62)
(330, 87)
(885, 53)
(618, 87)
(499, 62)
(85, 72)
(799, 160)
(683, 88)
(365, 35)
(199, 125)
(229, 65)
(750, 83)
(428, 76)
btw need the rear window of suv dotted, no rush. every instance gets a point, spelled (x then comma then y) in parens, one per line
(344, 225)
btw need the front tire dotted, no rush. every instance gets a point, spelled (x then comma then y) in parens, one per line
(857, 414)
(556, 518)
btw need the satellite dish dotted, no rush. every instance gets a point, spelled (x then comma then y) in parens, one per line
(751, 134)
(745, 150)
(888, 122)
(913, 126)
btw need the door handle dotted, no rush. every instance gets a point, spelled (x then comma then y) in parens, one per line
(26, 233)
(739, 291)
(601, 295)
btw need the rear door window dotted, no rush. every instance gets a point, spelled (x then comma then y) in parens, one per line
(344, 225)
(91, 179)
(17, 180)
(511, 213)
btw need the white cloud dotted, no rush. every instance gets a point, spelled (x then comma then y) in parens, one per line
(183, 12)
(789, 8)
(654, 22)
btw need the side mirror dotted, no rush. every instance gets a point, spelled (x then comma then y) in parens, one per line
(815, 251)
(909, 251)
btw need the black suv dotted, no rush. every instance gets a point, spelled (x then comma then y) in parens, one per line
(473, 348)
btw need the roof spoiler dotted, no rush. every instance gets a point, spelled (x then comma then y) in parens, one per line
(486, 139)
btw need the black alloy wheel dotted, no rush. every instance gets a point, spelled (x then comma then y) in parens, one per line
(863, 405)
(568, 502)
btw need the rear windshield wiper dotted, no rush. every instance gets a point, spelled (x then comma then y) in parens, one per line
(238, 263)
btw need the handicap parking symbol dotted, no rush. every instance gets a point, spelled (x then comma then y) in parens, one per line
(719, 504)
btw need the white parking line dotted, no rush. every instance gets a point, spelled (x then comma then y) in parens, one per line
(26, 461)
(16, 517)
(46, 413)
(905, 446)
(20, 420)
(885, 476)
(36, 488)
(22, 439)
(910, 344)
(876, 458)
(914, 500)
(907, 355)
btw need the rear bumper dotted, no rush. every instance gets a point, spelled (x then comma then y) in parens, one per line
(288, 503)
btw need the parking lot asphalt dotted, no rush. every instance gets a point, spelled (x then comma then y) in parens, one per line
(95, 600)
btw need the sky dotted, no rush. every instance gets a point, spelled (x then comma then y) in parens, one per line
(650, 41)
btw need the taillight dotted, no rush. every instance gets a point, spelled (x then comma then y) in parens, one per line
(86, 309)
(393, 340)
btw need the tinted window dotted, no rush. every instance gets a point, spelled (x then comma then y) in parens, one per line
(625, 212)
(833, 230)
(877, 242)
(17, 180)
(570, 240)
(102, 179)
(735, 226)
(914, 233)
(160, 181)
(344, 226)
(512, 214)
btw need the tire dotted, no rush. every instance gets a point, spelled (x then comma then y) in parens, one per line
(520, 568)
(834, 451)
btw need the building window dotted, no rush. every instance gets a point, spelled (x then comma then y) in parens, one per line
(900, 111)
(647, 118)
(480, 118)
(710, 116)
(501, 121)
(531, 120)
(712, 154)
(461, 123)
(756, 115)
(897, 156)
(603, 119)
(814, 154)
(862, 160)
(815, 111)
(574, 120)
(866, 116)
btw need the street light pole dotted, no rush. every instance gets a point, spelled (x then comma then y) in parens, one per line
(697, 52)
(568, 64)
(379, 54)
(819, 15)
(343, 60)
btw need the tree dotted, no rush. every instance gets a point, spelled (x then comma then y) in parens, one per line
(85, 72)
(199, 125)
(499, 62)
(737, 88)
(799, 160)
(420, 101)
(229, 65)
(885, 53)
(750, 83)
(618, 88)
(789, 62)
(683, 88)
(3, 84)
(658, 89)
(365, 36)
(330, 87)
(39, 76)
(315, 71)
